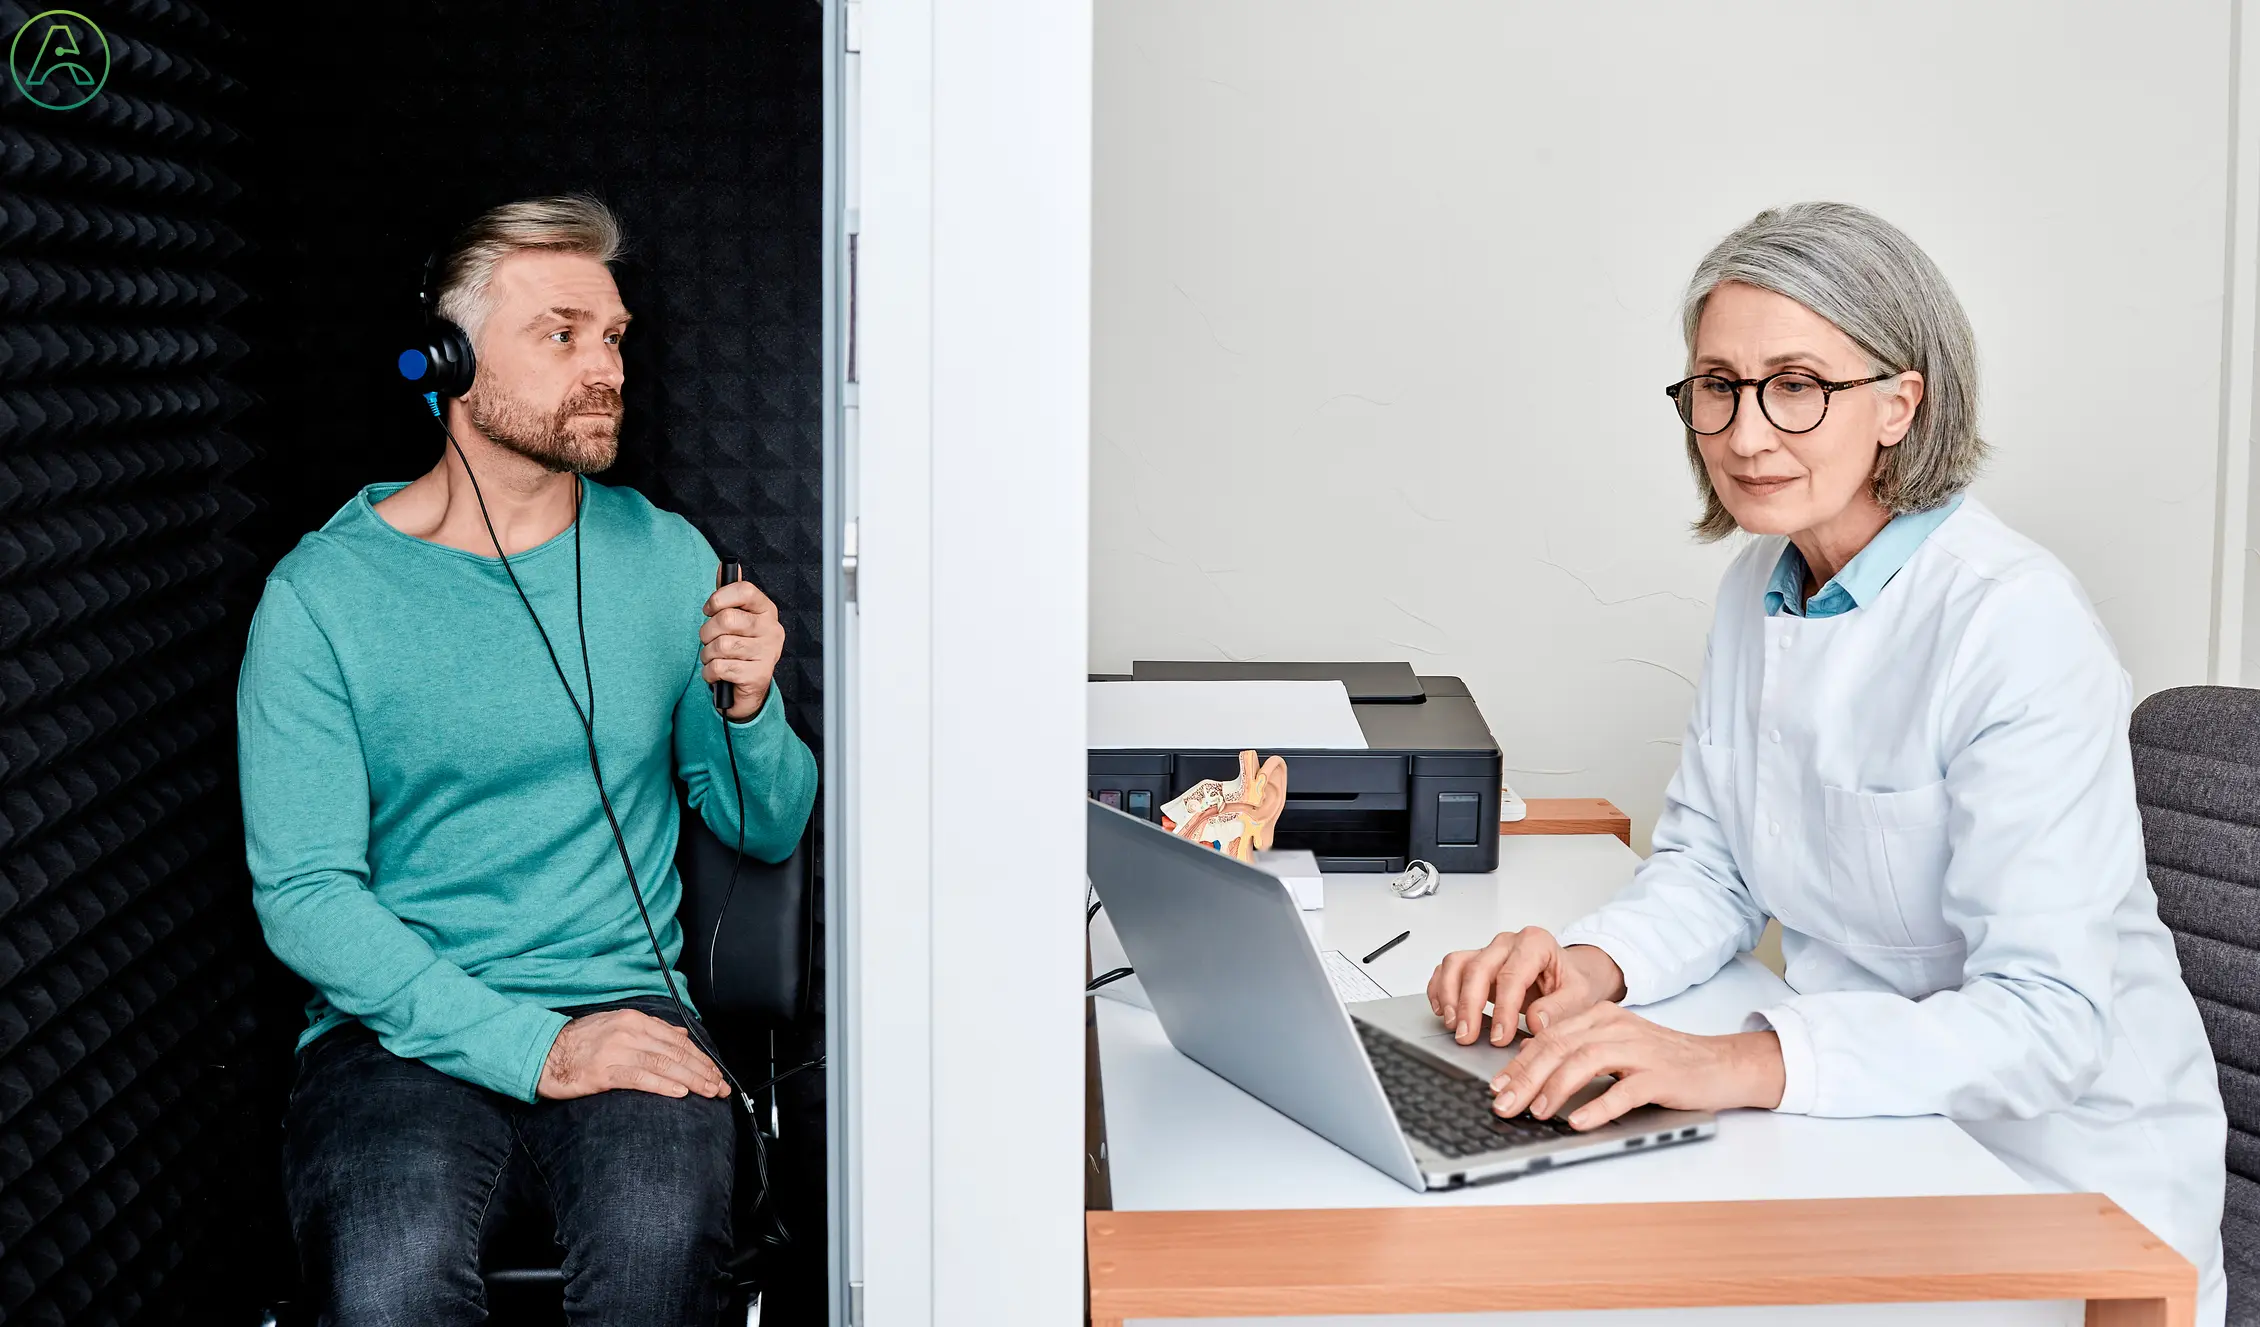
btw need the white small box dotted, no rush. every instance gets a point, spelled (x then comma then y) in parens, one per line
(1298, 870)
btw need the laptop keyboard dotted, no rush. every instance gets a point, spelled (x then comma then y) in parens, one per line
(1449, 1112)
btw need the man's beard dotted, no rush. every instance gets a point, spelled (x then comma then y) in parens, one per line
(582, 437)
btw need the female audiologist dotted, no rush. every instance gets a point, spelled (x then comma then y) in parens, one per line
(1909, 746)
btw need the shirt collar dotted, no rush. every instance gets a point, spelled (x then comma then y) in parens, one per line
(1864, 577)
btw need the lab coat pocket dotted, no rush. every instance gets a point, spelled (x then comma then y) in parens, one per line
(1887, 857)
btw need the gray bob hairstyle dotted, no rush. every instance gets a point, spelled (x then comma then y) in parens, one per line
(563, 223)
(1863, 274)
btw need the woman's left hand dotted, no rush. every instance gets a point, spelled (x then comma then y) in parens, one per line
(1653, 1066)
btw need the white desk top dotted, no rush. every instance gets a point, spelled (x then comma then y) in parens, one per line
(1181, 1138)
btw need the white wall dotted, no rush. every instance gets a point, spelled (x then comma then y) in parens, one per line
(1384, 297)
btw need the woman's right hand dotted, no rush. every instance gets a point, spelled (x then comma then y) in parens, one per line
(1523, 973)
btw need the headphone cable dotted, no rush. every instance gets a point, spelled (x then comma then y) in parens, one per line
(762, 1192)
(588, 732)
(691, 1025)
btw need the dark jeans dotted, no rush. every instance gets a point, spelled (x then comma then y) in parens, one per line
(397, 1177)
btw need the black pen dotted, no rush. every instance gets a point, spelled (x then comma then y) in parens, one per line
(1402, 936)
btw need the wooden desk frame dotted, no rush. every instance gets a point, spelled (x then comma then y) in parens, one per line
(1638, 1255)
(1618, 1256)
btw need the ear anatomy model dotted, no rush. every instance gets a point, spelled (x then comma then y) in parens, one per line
(1235, 818)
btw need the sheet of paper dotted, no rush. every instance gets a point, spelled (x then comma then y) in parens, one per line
(1351, 982)
(1297, 868)
(1223, 716)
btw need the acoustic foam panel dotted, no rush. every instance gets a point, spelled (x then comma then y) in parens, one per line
(126, 944)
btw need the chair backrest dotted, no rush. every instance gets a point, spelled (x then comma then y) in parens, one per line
(748, 946)
(2197, 777)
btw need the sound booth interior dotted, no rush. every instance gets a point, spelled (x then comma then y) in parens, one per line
(208, 270)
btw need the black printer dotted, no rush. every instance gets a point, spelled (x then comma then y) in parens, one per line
(1427, 786)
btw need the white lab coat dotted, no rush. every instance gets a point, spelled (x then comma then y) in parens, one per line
(1933, 794)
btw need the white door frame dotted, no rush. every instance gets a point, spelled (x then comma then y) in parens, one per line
(969, 453)
(2235, 636)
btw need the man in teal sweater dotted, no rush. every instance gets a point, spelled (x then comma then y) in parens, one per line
(428, 849)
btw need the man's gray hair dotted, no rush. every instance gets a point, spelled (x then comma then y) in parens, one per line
(1863, 274)
(564, 223)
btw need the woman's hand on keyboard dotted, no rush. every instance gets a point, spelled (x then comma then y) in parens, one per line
(1653, 1064)
(1522, 973)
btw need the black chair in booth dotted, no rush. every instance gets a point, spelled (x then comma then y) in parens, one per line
(749, 957)
(2197, 777)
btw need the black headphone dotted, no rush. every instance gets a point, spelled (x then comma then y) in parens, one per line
(443, 364)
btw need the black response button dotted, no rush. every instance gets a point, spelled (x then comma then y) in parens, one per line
(1458, 819)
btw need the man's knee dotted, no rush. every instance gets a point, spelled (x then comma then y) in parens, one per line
(660, 1187)
(664, 1247)
(674, 1230)
(641, 1187)
(389, 1168)
(424, 1277)
(392, 1245)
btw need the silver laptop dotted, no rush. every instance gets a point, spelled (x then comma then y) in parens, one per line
(1221, 951)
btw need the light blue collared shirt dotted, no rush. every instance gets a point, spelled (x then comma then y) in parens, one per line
(1864, 577)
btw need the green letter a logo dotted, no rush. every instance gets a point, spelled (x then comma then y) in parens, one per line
(57, 43)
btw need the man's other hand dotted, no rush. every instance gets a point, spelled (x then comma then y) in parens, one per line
(622, 1048)
(740, 644)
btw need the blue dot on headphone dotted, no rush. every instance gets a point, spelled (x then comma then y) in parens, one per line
(413, 365)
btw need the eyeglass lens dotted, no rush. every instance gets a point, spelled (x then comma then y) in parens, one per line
(1793, 402)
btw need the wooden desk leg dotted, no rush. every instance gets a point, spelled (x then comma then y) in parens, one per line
(2174, 1312)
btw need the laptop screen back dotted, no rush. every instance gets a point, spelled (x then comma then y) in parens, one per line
(1221, 951)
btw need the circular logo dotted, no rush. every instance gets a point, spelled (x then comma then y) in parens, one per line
(59, 59)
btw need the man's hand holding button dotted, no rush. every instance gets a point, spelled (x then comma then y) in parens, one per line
(740, 644)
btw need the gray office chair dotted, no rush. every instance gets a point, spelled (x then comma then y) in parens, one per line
(2197, 777)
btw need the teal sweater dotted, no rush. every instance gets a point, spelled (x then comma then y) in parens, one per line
(425, 841)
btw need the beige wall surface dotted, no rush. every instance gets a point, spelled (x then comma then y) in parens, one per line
(1384, 296)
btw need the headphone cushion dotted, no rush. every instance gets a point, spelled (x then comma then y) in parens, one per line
(453, 367)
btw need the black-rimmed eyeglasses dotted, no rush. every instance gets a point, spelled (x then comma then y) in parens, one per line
(1792, 400)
